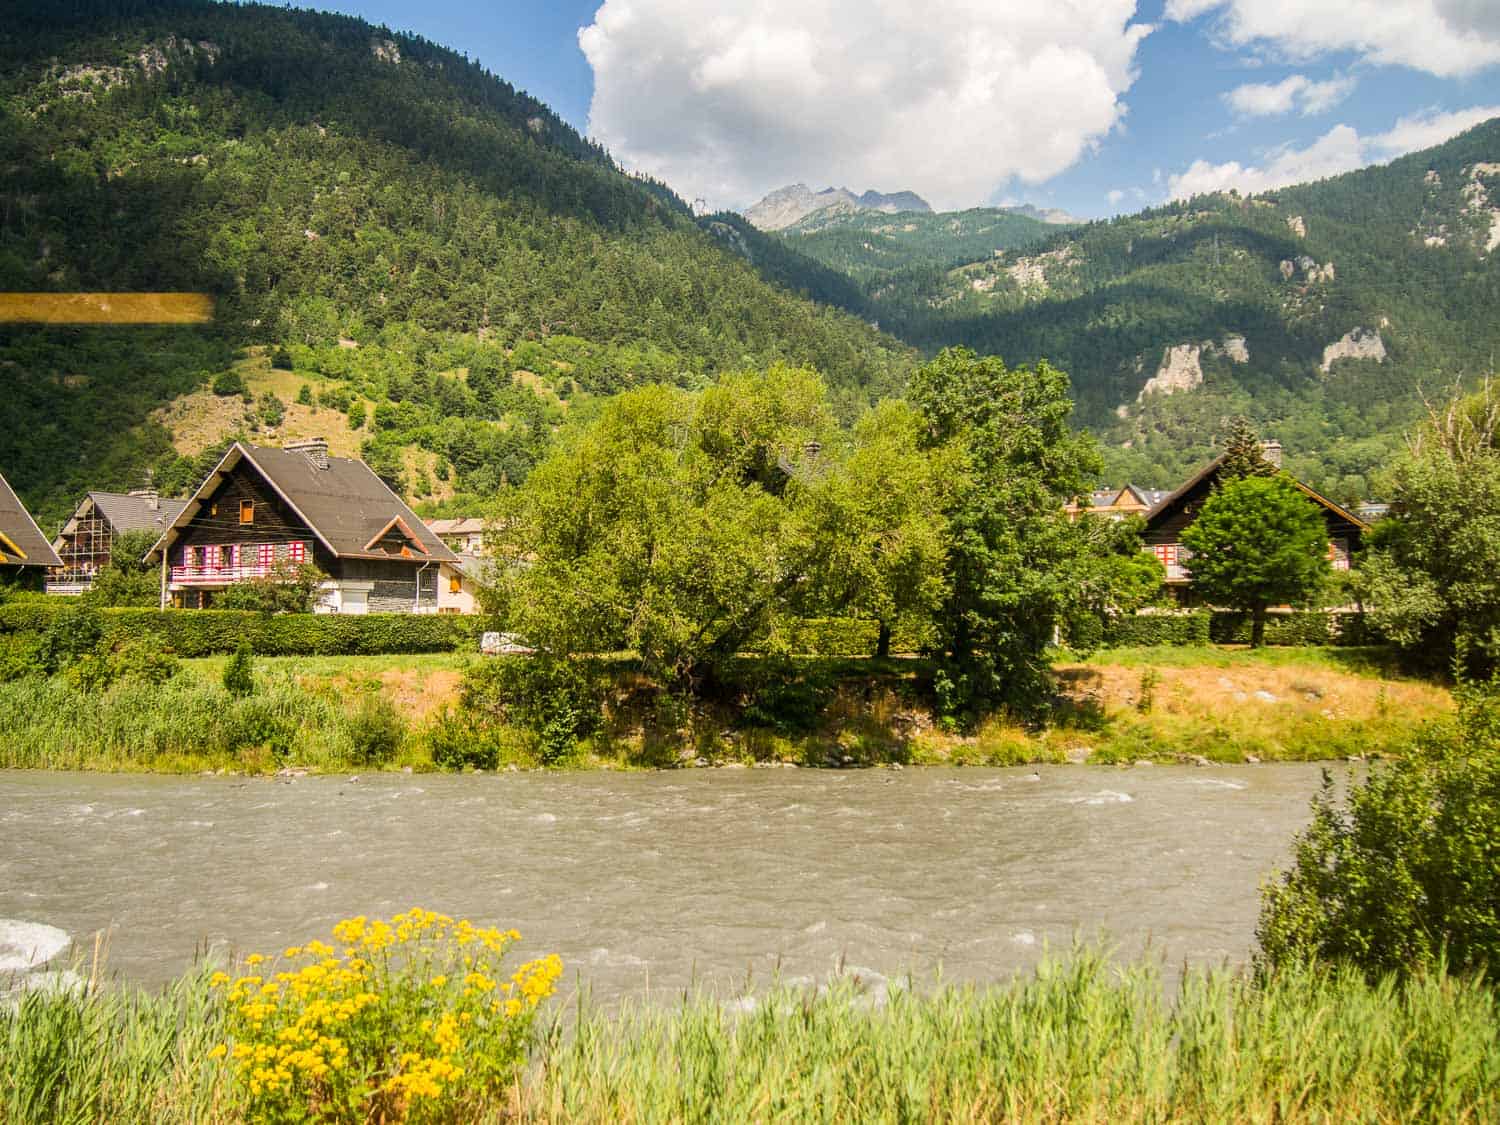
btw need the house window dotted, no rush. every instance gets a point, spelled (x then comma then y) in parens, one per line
(297, 552)
(267, 555)
(1166, 554)
(455, 584)
(247, 511)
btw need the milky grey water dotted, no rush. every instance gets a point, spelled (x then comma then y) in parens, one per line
(648, 881)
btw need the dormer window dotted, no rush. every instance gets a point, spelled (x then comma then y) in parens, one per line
(247, 511)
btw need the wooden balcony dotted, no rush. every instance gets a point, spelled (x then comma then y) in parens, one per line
(216, 575)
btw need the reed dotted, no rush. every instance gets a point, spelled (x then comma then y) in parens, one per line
(1079, 1039)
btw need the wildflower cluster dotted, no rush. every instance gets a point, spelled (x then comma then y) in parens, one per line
(410, 1018)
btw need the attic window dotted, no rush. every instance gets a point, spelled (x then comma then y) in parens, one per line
(247, 511)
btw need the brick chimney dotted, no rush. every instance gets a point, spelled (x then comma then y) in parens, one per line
(314, 449)
(1271, 451)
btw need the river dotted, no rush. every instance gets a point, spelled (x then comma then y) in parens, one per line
(646, 882)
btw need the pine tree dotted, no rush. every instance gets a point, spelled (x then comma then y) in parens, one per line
(1243, 454)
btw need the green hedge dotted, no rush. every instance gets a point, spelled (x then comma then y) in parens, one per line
(207, 632)
(1307, 627)
(1200, 627)
(1147, 629)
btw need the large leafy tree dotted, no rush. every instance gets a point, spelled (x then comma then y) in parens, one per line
(1258, 542)
(1013, 558)
(664, 526)
(872, 513)
(1432, 577)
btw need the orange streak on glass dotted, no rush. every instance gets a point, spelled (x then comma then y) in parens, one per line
(106, 308)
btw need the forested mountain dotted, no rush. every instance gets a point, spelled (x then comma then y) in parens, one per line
(907, 248)
(432, 254)
(1322, 311)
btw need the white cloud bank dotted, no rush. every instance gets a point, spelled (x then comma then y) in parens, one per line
(1443, 37)
(1296, 92)
(950, 98)
(1339, 150)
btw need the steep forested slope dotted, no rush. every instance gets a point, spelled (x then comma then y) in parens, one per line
(379, 214)
(871, 246)
(1171, 320)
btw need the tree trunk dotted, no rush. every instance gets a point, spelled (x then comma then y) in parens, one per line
(1258, 626)
(883, 644)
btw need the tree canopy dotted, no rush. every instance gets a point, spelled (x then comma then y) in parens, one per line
(1014, 559)
(1257, 542)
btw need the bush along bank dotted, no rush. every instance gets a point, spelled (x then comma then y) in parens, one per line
(1221, 627)
(115, 704)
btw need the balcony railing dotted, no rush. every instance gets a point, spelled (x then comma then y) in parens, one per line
(211, 575)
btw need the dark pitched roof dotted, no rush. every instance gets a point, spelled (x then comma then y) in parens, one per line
(21, 541)
(345, 504)
(1168, 502)
(135, 513)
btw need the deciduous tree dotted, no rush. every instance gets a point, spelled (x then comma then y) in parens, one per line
(1258, 542)
(1013, 557)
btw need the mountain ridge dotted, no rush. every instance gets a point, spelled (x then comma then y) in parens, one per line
(788, 205)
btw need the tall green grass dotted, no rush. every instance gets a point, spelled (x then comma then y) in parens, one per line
(183, 723)
(1077, 1041)
(1080, 1039)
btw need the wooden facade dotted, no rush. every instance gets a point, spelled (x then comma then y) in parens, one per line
(251, 516)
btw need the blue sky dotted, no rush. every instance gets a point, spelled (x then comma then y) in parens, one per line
(1106, 108)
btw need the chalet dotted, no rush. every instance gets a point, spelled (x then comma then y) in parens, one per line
(1166, 522)
(1116, 503)
(261, 507)
(464, 536)
(25, 554)
(88, 539)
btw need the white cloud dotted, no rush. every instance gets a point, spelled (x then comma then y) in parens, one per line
(950, 98)
(1442, 37)
(1339, 150)
(1423, 130)
(1114, 196)
(1257, 99)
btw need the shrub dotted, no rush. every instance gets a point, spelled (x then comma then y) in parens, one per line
(259, 722)
(288, 587)
(281, 358)
(229, 383)
(376, 731)
(556, 700)
(115, 658)
(411, 1019)
(1405, 874)
(788, 700)
(239, 673)
(74, 631)
(458, 743)
(20, 656)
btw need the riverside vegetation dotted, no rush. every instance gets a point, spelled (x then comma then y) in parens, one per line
(1368, 1000)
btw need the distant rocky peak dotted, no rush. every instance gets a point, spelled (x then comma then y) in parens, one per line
(787, 205)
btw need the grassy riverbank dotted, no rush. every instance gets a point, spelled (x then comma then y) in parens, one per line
(1078, 1040)
(373, 712)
